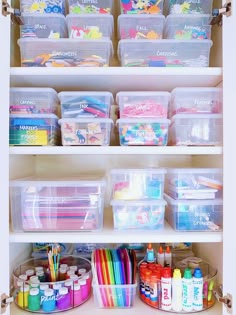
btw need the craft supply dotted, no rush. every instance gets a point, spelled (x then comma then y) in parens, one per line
(22, 297)
(90, 7)
(168, 257)
(48, 301)
(34, 300)
(197, 290)
(63, 300)
(187, 301)
(45, 6)
(161, 256)
(75, 295)
(141, 7)
(177, 291)
(190, 7)
(166, 289)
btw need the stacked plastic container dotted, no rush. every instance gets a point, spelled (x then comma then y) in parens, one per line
(143, 118)
(137, 199)
(86, 118)
(33, 116)
(196, 116)
(194, 199)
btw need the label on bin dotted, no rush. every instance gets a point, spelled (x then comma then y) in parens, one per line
(30, 137)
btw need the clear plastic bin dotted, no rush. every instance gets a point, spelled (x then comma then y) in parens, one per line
(164, 53)
(74, 204)
(85, 104)
(141, 7)
(196, 100)
(189, 7)
(137, 184)
(47, 6)
(52, 292)
(196, 129)
(143, 131)
(182, 26)
(65, 52)
(90, 6)
(138, 215)
(90, 26)
(136, 26)
(194, 215)
(35, 129)
(33, 100)
(194, 183)
(114, 296)
(40, 26)
(143, 104)
(86, 131)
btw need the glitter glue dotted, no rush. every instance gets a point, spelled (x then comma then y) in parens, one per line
(48, 301)
(22, 298)
(34, 300)
(187, 290)
(166, 289)
(177, 291)
(75, 295)
(63, 299)
(197, 290)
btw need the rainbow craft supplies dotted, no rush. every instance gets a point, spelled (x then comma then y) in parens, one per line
(90, 7)
(114, 277)
(189, 7)
(141, 6)
(187, 287)
(38, 6)
(52, 284)
(72, 204)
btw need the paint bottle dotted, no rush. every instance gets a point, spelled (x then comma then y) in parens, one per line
(197, 290)
(64, 266)
(38, 268)
(69, 273)
(177, 291)
(29, 273)
(35, 284)
(74, 278)
(150, 255)
(75, 295)
(63, 299)
(81, 271)
(41, 275)
(160, 257)
(168, 257)
(75, 268)
(56, 287)
(34, 300)
(166, 289)
(68, 284)
(84, 289)
(87, 277)
(62, 273)
(23, 277)
(187, 290)
(42, 288)
(48, 301)
(22, 297)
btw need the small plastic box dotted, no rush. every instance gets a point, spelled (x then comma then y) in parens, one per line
(136, 26)
(189, 7)
(85, 104)
(46, 6)
(196, 129)
(164, 53)
(194, 183)
(40, 26)
(33, 100)
(143, 131)
(86, 131)
(143, 104)
(138, 215)
(90, 6)
(73, 204)
(114, 296)
(194, 215)
(90, 26)
(196, 100)
(137, 184)
(190, 26)
(65, 52)
(35, 129)
(141, 7)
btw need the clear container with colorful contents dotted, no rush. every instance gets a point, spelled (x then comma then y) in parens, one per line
(138, 215)
(189, 7)
(81, 104)
(40, 26)
(90, 6)
(69, 204)
(42, 287)
(90, 26)
(33, 100)
(164, 53)
(196, 100)
(143, 104)
(86, 131)
(34, 129)
(137, 184)
(190, 26)
(46, 6)
(194, 215)
(141, 7)
(65, 52)
(194, 183)
(196, 129)
(136, 26)
(143, 131)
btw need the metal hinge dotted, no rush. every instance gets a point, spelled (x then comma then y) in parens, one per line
(226, 299)
(217, 14)
(5, 300)
(14, 13)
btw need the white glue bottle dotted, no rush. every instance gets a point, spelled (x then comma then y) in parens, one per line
(166, 289)
(187, 300)
(197, 290)
(160, 257)
(177, 291)
(168, 257)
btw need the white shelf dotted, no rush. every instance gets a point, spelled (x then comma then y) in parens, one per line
(115, 79)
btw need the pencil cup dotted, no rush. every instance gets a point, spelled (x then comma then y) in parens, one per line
(47, 296)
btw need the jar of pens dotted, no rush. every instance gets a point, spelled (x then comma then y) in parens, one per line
(186, 287)
(52, 283)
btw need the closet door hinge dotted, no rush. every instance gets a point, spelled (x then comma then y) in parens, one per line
(14, 13)
(5, 300)
(217, 14)
(225, 299)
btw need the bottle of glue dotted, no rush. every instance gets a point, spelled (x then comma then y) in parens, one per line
(168, 257)
(150, 255)
(160, 257)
